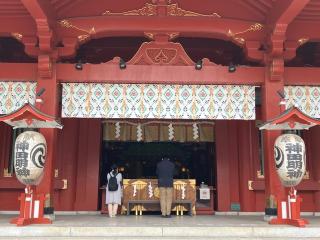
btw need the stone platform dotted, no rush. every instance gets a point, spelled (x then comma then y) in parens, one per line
(155, 227)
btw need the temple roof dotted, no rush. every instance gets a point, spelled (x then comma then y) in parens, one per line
(28, 116)
(291, 119)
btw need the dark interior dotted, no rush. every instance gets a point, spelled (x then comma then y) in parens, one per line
(139, 159)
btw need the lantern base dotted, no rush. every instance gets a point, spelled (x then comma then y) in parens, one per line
(289, 211)
(31, 208)
(294, 222)
(27, 221)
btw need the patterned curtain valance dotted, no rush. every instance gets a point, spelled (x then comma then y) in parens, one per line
(306, 98)
(14, 95)
(158, 101)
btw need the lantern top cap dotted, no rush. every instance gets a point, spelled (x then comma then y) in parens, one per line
(28, 116)
(291, 119)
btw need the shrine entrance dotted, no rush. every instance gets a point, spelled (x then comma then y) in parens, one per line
(190, 148)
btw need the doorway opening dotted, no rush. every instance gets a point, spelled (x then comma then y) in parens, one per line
(193, 157)
(139, 159)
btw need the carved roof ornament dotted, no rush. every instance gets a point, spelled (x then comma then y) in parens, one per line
(161, 53)
(81, 38)
(253, 28)
(150, 9)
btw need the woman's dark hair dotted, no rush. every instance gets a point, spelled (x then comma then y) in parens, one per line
(114, 167)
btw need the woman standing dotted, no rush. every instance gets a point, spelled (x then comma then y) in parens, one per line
(113, 191)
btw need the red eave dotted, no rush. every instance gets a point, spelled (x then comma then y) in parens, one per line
(291, 119)
(30, 117)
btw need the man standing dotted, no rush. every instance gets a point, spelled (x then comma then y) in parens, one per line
(165, 171)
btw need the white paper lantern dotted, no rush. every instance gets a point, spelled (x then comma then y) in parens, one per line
(290, 159)
(29, 158)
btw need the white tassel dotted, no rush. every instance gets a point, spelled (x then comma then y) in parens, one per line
(118, 129)
(134, 190)
(150, 190)
(195, 130)
(139, 133)
(183, 191)
(171, 132)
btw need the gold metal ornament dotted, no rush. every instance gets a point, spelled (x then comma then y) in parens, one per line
(253, 28)
(151, 10)
(17, 36)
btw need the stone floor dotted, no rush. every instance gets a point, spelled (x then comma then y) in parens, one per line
(155, 227)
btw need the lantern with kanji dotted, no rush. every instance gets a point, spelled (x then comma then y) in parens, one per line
(29, 158)
(290, 159)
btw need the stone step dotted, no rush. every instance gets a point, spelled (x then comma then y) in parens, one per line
(152, 238)
(142, 232)
(155, 227)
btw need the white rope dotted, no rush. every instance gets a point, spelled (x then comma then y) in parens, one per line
(139, 133)
(195, 130)
(171, 132)
(118, 129)
(160, 122)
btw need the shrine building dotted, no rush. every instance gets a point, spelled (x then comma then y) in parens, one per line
(132, 81)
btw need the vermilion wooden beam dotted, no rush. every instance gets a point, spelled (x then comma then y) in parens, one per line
(298, 30)
(41, 9)
(111, 73)
(177, 74)
(44, 16)
(284, 11)
(301, 76)
(22, 25)
(133, 25)
(19, 72)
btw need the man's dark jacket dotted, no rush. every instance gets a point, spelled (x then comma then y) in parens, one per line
(165, 171)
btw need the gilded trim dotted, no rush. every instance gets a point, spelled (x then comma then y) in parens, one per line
(174, 10)
(81, 38)
(151, 10)
(302, 41)
(147, 10)
(253, 28)
(6, 173)
(17, 36)
(259, 175)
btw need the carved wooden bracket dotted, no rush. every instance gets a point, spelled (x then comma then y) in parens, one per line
(277, 40)
(276, 69)
(45, 66)
(44, 34)
(161, 52)
(276, 53)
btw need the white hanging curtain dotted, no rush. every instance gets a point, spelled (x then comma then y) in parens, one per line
(13, 95)
(158, 101)
(306, 98)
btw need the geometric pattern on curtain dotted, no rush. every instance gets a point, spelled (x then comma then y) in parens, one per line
(306, 98)
(158, 101)
(14, 95)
